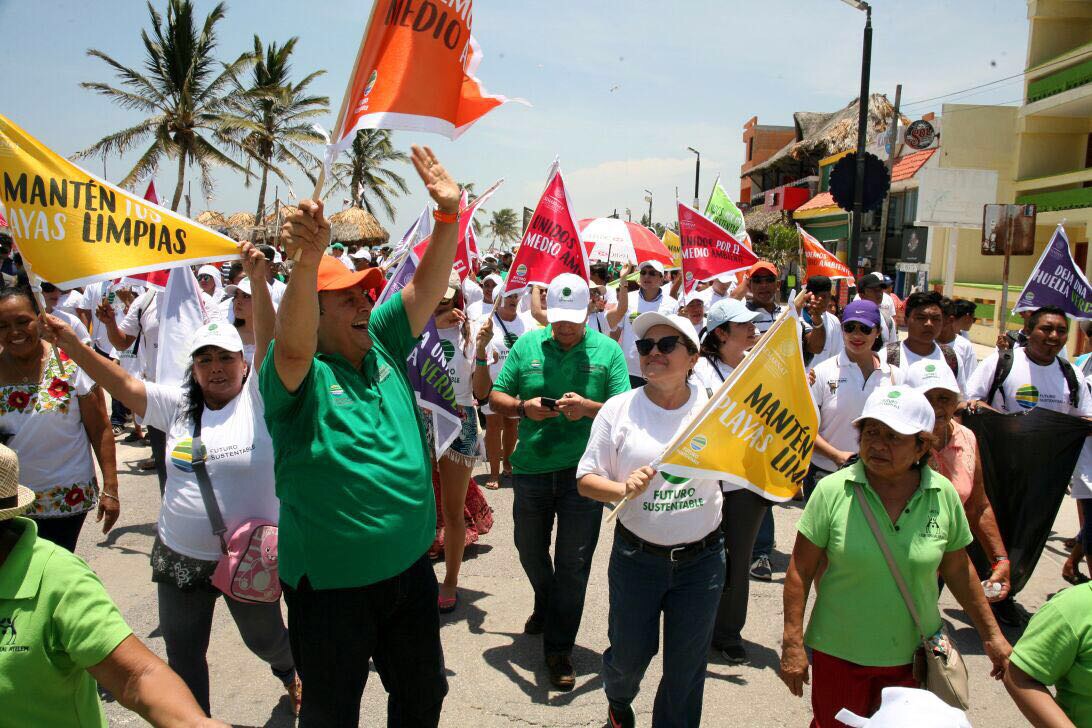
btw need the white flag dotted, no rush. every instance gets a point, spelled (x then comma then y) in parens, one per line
(182, 311)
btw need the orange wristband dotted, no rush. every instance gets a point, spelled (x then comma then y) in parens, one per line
(451, 217)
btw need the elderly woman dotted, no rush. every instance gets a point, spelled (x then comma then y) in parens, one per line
(55, 599)
(668, 557)
(862, 636)
(54, 416)
(730, 333)
(220, 395)
(955, 456)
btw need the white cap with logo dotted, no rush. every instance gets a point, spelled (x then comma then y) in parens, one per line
(904, 409)
(926, 374)
(224, 336)
(567, 299)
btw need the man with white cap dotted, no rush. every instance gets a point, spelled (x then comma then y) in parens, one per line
(361, 259)
(555, 380)
(481, 308)
(649, 297)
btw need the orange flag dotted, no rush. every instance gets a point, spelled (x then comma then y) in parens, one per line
(820, 261)
(415, 71)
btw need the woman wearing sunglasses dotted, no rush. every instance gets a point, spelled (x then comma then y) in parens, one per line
(668, 556)
(841, 386)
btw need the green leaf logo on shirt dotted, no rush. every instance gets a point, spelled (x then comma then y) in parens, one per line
(213, 327)
(674, 479)
(894, 394)
(510, 340)
(930, 368)
(449, 350)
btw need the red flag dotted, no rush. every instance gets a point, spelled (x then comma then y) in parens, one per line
(819, 260)
(3, 220)
(149, 194)
(552, 244)
(155, 279)
(415, 71)
(467, 250)
(708, 250)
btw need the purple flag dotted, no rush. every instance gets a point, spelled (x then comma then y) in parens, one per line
(426, 365)
(1057, 281)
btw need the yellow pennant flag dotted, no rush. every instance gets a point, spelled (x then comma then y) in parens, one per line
(73, 228)
(758, 430)
(672, 242)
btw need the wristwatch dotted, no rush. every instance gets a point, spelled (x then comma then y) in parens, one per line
(520, 410)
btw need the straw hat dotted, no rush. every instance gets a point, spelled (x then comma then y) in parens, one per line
(15, 499)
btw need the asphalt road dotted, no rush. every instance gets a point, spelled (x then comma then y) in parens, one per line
(495, 672)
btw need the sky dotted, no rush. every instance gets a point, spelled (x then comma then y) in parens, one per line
(618, 88)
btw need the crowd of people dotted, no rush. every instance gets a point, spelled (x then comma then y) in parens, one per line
(297, 411)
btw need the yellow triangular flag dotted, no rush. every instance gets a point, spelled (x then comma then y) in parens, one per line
(73, 228)
(758, 430)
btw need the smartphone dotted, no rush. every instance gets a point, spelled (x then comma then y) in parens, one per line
(549, 402)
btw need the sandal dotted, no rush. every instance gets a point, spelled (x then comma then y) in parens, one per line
(1076, 578)
(492, 484)
(295, 694)
(447, 605)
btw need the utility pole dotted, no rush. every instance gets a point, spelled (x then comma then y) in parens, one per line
(697, 177)
(649, 198)
(862, 133)
(890, 164)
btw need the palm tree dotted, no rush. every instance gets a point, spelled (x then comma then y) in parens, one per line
(504, 226)
(468, 188)
(370, 184)
(271, 119)
(184, 89)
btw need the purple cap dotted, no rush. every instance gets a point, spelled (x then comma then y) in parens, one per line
(862, 311)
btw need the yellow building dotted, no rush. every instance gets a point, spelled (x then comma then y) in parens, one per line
(1041, 151)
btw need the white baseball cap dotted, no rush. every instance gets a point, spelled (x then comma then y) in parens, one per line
(654, 264)
(926, 374)
(904, 409)
(218, 333)
(567, 299)
(494, 278)
(243, 285)
(648, 319)
(361, 253)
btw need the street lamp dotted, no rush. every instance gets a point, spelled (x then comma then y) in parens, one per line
(648, 199)
(862, 127)
(697, 175)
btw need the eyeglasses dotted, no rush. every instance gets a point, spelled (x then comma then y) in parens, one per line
(650, 272)
(853, 327)
(763, 279)
(666, 345)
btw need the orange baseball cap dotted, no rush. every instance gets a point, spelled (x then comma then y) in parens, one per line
(762, 265)
(334, 276)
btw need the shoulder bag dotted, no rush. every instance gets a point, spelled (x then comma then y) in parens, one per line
(247, 569)
(944, 675)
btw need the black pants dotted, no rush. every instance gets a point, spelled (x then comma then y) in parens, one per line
(158, 440)
(334, 632)
(63, 531)
(741, 516)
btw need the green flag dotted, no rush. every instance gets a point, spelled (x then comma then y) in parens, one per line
(724, 212)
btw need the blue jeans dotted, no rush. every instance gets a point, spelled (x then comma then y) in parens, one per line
(559, 584)
(764, 543)
(642, 587)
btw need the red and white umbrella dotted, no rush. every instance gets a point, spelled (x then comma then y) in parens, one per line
(611, 239)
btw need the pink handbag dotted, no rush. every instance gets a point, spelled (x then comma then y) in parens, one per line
(247, 571)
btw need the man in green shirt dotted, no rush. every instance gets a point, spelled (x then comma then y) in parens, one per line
(353, 472)
(555, 380)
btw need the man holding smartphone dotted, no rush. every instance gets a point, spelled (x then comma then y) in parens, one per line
(555, 380)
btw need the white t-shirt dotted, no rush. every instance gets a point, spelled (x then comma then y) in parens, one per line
(834, 343)
(1029, 385)
(77, 325)
(709, 296)
(840, 391)
(459, 362)
(239, 462)
(92, 297)
(142, 321)
(968, 360)
(276, 292)
(47, 432)
(631, 431)
(505, 335)
(70, 301)
(638, 305)
(710, 374)
(907, 358)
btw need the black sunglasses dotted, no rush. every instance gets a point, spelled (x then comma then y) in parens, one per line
(763, 279)
(666, 345)
(854, 326)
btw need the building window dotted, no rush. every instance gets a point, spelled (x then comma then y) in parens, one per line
(750, 149)
(909, 207)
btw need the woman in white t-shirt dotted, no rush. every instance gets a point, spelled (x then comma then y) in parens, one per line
(456, 465)
(243, 310)
(57, 422)
(668, 554)
(221, 389)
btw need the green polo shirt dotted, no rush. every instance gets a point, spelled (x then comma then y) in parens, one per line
(351, 463)
(56, 620)
(536, 366)
(1056, 649)
(859, 614)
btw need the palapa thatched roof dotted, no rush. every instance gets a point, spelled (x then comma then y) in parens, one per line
(758, 219)
(242, 225)
(285, 211)
(357, 225)
(211, 218)
(819, 135)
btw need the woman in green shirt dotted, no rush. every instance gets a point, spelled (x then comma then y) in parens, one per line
(862, 636)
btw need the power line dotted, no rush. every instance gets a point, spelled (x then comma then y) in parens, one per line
(1000, 80)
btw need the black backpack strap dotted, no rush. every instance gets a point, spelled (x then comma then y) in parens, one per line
(1071, 382)
(208, 497)
(894, 353)
(1000, 374)
(951, 358)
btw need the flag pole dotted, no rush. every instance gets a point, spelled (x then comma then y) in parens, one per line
(36, 288)
(687, 431)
